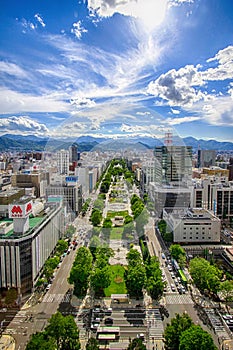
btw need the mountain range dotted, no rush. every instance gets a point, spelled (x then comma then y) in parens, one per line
(9, 142)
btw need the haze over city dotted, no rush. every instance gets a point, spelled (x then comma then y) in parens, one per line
(113, 68)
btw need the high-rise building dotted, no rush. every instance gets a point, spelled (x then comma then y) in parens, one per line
(175, 163)
(63, 159)
(73, 150)
(206, 158)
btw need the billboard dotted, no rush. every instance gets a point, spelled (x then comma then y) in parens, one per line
(20, 210)
(71, 179)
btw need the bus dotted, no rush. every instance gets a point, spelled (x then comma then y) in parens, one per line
(183, 277)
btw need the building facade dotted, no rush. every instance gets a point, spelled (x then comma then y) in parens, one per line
(193, 225)
(22, 255)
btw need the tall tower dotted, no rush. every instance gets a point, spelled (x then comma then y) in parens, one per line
(63, 162)
(73, 153)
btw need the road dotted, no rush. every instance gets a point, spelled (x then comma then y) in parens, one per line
(34, 318)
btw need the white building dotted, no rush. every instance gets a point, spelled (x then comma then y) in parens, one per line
(63, 157)
(25, 248)
(195, 225)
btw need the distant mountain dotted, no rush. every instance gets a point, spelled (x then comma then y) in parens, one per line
(208, 144)
(87, 143)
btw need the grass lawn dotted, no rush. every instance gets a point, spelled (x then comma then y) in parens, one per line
(112, 214)
(117, 285)
(116, 232)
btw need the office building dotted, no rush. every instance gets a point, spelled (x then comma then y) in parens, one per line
(175, 163)
(63, 159)
(193, 225)
(73, 150)
(168, 196)
(26, 243)
(206, 158)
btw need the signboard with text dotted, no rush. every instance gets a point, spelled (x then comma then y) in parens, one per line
(20, 210)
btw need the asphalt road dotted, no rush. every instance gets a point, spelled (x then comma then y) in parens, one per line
(34, 318)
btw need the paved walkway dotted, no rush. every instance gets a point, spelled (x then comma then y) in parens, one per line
(7, 342)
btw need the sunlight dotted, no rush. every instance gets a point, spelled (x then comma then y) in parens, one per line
(151, 12)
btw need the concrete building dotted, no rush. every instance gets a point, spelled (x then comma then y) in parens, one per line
(195, 225)
(175, 162)
(206, 158)
(169, 196)
(7, 197)
(216, 171)
(70, 190)
(26, 243)
(216, 194)
(73, 150)
(63, 159)
(36, 181)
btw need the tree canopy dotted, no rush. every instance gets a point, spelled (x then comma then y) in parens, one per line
(173, 331)
(136, 344)
(205, 276)
(61, 333)
(195, 338)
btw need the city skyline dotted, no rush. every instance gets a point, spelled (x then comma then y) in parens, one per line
(117, 68)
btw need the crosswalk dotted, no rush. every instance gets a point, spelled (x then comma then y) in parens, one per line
(60, 298)
(155, 324)
(178, 299)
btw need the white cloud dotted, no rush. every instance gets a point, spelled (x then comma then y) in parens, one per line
(179, 2)
(177, 87)
(143, 113)
(218, 112)
(151, 12)
(39, 19)
(78, 30)
(12, 69)
(224, 69)
(16, 102)
(22, 125)
(181, 120)
(175, 111)
(82, 102)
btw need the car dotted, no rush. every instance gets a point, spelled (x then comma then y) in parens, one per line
(173, 288)
(176, 282)
(108, 321)
(173, 275)
(48, 286)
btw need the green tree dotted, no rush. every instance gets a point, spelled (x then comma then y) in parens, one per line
(107, 223)
(61, 246)
(226, 288)
(173, 331)
(178, 253)
(92, 344)
(11, 296)
(100, 279)
(135, 279)
(70, 231)
(80, 271)
(96, 217)
(136, 344)
(205, 276)
(195, 338)
(64, 330)
(41, 341)
(154, 284)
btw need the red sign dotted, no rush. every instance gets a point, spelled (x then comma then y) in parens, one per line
(16, 211)
(29, 207)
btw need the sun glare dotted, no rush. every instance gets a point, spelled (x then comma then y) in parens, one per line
(151, 12)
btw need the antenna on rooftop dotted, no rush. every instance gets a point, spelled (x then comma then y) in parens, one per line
(168, 139)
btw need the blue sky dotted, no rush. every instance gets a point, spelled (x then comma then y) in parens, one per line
(117, 67)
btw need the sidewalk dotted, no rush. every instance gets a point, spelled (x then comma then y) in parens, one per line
(7, 342)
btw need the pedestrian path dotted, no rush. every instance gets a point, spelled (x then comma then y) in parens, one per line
(155, 324)
(178, 299)
(50, 298)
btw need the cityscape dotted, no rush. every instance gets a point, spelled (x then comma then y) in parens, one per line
(116, 175)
